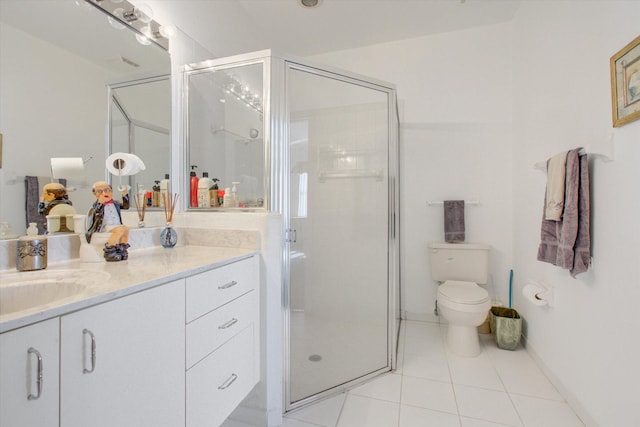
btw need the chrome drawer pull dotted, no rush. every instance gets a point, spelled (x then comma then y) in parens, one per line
(40, 374)
(93, 351)
(228, 285)
(229, 324)
(228, 382)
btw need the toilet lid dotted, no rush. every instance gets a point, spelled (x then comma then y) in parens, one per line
(463, 292)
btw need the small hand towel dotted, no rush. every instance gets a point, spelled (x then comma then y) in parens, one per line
(454, 221)
(556, 172)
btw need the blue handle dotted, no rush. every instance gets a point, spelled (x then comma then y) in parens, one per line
(510, 286)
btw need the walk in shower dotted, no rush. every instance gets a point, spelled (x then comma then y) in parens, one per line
(331, 170)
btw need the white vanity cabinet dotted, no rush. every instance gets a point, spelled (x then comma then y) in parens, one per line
(222, 340)
(29, 365)
(122, 362)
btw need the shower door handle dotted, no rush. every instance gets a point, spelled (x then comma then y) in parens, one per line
(291, 235)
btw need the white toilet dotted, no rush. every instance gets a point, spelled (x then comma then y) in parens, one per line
(459, 268)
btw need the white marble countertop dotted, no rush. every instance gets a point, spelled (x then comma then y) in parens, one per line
(145, 268)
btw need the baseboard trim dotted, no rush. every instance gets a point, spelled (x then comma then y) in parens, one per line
(572, 401)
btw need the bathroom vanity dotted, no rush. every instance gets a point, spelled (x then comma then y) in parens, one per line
(169, 338)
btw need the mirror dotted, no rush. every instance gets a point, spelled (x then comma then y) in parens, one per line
(58, 59)
(226, 129)
(140, 123)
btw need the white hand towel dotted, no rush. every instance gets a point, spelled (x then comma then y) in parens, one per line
(556, 172)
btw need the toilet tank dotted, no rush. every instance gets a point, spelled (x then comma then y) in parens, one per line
(467, 262)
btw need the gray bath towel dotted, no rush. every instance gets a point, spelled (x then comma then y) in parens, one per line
(562, 240)
(454, 221)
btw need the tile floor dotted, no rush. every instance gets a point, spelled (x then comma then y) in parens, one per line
(432, 387)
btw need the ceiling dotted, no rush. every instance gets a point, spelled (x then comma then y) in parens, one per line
(228, 27)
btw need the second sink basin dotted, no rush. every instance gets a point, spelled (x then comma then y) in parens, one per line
(27, 290)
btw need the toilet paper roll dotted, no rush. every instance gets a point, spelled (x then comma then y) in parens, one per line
(67, 167)
(531, 292)
(124, 164)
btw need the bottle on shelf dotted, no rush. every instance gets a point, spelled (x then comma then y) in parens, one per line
(204, 194)
(228, 198)
(155, 201)
(164, 189)
(193, 194)
(234, 194)
(213, 193)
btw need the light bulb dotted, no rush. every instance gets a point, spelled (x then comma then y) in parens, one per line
(167, 31)
(114, 22)
(145, 37)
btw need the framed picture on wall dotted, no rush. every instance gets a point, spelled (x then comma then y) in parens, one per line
(625, 84)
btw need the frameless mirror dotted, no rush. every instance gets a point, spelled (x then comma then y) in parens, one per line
(58, 59)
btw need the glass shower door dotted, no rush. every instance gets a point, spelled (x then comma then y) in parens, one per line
(338, 232)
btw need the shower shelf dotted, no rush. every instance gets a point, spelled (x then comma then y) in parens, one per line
(378, 174)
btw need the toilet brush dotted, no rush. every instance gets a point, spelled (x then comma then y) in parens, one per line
(510, 286)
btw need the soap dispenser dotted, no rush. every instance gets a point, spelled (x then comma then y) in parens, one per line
(193, 193)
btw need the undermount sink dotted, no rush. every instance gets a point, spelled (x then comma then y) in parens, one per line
(27, 290)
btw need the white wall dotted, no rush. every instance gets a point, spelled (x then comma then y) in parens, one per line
(454, 92)
(492, 102)
(589, 341)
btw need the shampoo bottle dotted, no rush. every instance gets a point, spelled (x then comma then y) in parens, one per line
(164, 189)
(204, 195)
(193, 194)
(213, 193)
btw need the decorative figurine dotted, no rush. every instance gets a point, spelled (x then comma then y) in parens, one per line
(104, 216)
(55, 201)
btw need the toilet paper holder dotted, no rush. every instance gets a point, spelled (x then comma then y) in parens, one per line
(539, 293)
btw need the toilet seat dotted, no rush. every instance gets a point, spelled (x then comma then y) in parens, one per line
(463, 296)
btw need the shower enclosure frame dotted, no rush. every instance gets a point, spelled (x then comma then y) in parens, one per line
(280, 195)
(276, 128)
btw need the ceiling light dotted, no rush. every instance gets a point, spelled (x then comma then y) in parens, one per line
(310, 3)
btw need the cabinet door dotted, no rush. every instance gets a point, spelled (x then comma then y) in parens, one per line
(29, 368)
(122, 362)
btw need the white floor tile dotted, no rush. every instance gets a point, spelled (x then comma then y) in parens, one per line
(472, 422)
(474, 371)
(411, 416)
(434, 388)
(386, 387)
(324, 413)
(361, 411)
(489, 405)
(432, 366)
(521, 375)
(290, 422)
(428, 394)
(545, 413)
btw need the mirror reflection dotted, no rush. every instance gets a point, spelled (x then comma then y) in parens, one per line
(58, 59)
(226, 144)
(140, 122)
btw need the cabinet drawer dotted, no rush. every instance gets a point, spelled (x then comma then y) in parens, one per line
(213, 329)
(212, 289)
(216, 385)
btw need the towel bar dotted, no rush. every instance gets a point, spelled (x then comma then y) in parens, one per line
(604, 157)
(440, 202)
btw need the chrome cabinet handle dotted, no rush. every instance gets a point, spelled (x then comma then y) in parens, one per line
(93, 351)
(228, 382)
(40, 375)
(228, 285)
(229, 324)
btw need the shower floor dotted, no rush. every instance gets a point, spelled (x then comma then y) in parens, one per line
(326, 353)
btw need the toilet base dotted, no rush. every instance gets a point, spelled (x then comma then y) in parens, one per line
(463, 340)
